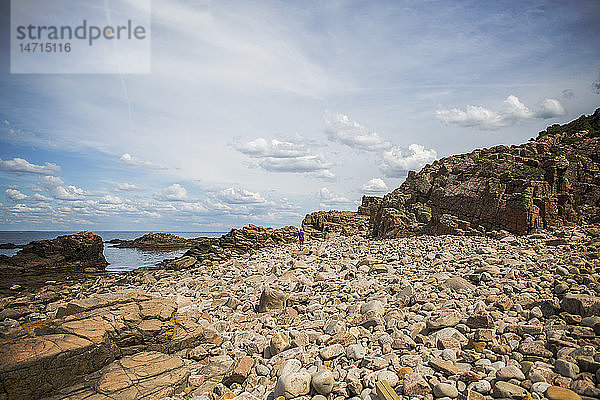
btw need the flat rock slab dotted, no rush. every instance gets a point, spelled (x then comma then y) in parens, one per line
(147, 375)
(35, 367)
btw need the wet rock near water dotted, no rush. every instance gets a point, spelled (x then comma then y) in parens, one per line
(158, 242)
(78, 253)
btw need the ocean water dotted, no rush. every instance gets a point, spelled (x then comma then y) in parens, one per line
(120, 259)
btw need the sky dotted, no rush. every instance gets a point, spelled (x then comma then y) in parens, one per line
(262, 111)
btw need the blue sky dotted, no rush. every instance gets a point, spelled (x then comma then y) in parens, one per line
(261, 111)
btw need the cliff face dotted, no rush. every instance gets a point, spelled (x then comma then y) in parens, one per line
(547, 182)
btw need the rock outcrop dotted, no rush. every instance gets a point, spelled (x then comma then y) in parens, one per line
(158, 241)
(74, 353)
(548, 182)
(346, 223)
(235, 242)
(64, 254)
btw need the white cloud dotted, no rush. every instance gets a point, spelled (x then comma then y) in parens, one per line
(297, 164)
(241, 196)
(132, 161)
(397, 161)
(40, 197)
(375, 186)
(127, 187)
(340, 128)
(110, 199)
(54, 186)
(21, 165)
(69, 192)
(15, 195)
(175, 192)
(332, 200)
(513, 111)
(550, 108)
(261, 147)
(324, 174)
(286, 156)
(151, 214)
(25, 209)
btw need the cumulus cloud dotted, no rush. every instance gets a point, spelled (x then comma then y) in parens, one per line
(333, 200)
(110, 199)
(261, 147)
(175, 192)
(55, 186)
(397, 161)
(127, 187)
(340, 128)
(241, 196)
(69, 192)
(285, 156)
(132, 161)
(550, 108)
(296, 164)
(15, 195)
(512, 112)
(375, 186)
(20, 165)
(40, 197)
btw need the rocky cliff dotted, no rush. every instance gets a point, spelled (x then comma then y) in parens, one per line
(548, 182)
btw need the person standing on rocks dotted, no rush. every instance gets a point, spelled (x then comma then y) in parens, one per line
(301, 238)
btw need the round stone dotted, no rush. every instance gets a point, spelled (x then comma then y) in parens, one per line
(288, 367)
(356, 352)
(482, 386)
(566, 368)
(323, 381)
(540, 387)
(293, 385)
(389, 376)
(262, 370)
(510, 372)
(445, 390)
(373, 305)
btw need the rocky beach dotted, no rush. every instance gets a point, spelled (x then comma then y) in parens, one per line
(477, 279)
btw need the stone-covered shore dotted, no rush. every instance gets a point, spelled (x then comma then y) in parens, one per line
(434, 316)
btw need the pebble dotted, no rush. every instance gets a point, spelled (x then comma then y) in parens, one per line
(445, 390)
(322, 381)
(438, 316)
(293, 385)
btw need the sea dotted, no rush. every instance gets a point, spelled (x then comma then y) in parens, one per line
(120, 259)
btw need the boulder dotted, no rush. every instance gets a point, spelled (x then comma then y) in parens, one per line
(272, 300)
